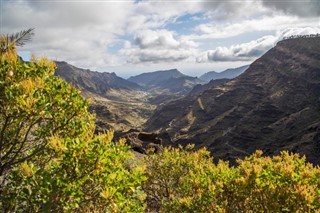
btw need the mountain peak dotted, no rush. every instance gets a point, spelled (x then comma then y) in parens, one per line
(151, 78)
(93, 81)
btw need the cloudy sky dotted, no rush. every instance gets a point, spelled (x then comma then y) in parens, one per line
(134, 36)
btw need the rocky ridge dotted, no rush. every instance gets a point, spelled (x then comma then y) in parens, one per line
(273, 106)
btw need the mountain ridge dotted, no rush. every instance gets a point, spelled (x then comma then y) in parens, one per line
(93, 81)
(150, 78)
(227, 74)
(272, 106)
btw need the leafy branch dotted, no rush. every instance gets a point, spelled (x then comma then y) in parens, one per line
(16, 39)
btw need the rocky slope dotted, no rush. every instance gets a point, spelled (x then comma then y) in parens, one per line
(102, 83)
(119, 104)
(273, 106)
(228, 74)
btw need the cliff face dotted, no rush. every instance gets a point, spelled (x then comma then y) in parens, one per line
(273, 106)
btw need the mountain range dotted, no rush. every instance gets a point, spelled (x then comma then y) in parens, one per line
(166, 82)
(274, 105)
(123, 104)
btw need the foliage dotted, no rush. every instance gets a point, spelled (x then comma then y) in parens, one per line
(81, 176)
(50, 159)
(283, 183)
(34, 105)
(8, 42)
(188, 181)
(179, 179)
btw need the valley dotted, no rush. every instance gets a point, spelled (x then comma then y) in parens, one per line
(272, 105)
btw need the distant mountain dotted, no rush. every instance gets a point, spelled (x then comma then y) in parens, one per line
(273, 106)
(228, 74)
(118, 103)
(166, 82)
(151, 79)
(95, 82)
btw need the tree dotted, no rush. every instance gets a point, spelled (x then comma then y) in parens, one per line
(34, 105)
(51, 161)
(9, 42)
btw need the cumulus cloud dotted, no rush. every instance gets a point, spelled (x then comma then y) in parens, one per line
(235, 9)
(253, 49)
(298, 31)
(238, 27)
(232, 10)
(305, 8)
(240, 52)
(82, 32)
(78, 32)
(158, 46)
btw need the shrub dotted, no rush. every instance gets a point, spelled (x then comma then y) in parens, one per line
(50, 159)
(183, 180)
(283, 183)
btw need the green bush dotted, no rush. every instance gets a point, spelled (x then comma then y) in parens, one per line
(50, 159)
(283, 183)
(182, 180)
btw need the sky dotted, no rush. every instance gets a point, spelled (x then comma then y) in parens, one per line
(129, 37)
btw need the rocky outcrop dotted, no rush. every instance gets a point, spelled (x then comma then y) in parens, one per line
(143, 141)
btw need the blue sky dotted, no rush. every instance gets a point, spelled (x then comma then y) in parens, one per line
(129, 37)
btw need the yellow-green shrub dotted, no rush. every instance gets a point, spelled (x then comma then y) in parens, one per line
(182, 180)
(283, 183)
(50, 159)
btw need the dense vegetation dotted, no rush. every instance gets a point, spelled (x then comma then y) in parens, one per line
(51, 161)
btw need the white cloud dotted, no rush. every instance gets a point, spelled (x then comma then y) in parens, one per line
(82, 32)
(251, 50)
(235, 28)
(158, 46)
(240, 52)
(233, 10)
(77, 32)
(304, 8)
(298, 31)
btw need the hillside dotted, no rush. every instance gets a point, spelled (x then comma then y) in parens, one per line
(273, 106)
(96, 82)
(118, 103)
(228, 74)
(166, 85)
